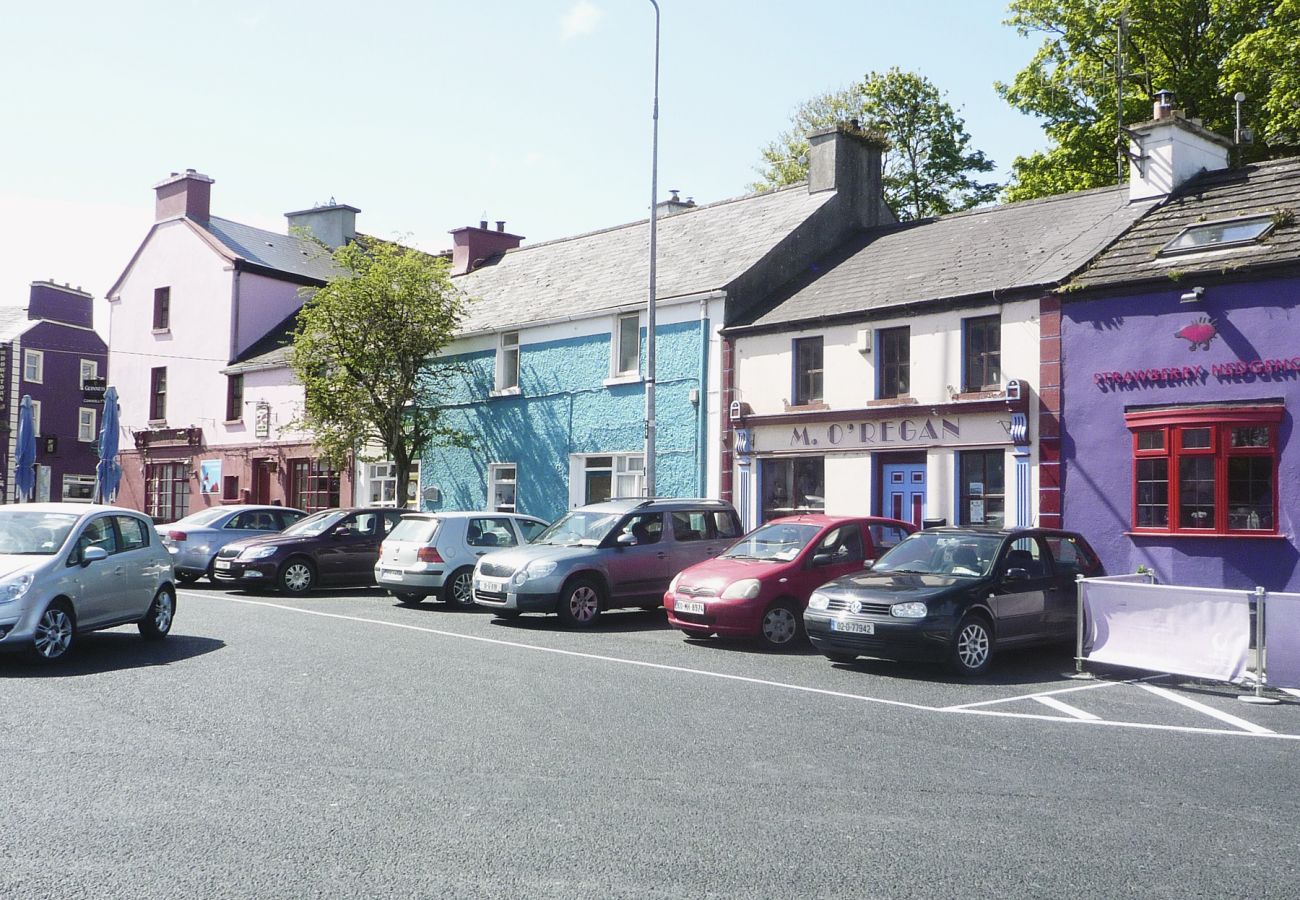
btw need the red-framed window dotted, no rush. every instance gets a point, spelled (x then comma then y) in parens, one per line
(1205, 470)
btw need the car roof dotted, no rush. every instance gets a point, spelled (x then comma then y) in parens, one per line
(74, 509)
(1011, 530)
(463, 514)
(656, 504)
(825, 519)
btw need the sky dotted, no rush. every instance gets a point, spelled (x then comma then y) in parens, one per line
(430, 115)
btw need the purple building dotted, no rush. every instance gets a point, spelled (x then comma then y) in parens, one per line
(49, 349)
(1180, 351)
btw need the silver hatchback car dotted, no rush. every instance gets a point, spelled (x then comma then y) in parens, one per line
(66, 569)
(433, 554)
(194, 540)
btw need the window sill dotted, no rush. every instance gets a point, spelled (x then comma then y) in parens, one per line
(232, 422)
(814, 406)
(616, 380)
(900, 400)
(161, 330)
(157, 423)
(505, 392)
(1230, 535)
(989, 394)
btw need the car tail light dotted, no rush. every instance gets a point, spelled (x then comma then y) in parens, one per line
(429, 554)
(176, 535)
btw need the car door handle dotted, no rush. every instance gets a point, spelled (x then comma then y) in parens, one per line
(661, 555)
(480, 552)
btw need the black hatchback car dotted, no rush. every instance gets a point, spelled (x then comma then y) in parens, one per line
(333, 546)
(955, 594)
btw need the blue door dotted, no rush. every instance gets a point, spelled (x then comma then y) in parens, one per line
(903, 492)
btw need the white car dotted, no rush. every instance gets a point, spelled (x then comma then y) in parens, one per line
(433, 554)
(66, 569)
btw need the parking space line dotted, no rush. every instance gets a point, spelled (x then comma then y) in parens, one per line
(1250, 730)
(1066, 708)
(1207, 710)
(1092, 686)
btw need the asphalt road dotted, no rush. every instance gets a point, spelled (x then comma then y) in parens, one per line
(343, 746)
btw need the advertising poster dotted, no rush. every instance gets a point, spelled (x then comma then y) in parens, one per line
(1282, 638)
(210, 476)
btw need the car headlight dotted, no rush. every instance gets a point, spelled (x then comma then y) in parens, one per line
(911, 610)
(257, 553)
(15, 588)
(818, 601)
(672, 585)
(538, 568)
(745, 589)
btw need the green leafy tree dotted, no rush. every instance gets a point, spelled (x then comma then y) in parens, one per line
(361, 350)
(1266, 66)
(1199, 49)
(928, 165)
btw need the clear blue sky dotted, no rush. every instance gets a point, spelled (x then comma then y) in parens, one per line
(428, 115)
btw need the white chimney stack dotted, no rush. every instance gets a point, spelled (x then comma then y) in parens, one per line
(1168, 150)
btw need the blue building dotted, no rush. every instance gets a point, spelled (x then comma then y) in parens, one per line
(550, 361)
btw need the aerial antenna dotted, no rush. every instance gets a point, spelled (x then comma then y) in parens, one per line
(1121, 155)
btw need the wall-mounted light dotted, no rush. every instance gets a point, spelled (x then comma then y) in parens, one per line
(1195, 295)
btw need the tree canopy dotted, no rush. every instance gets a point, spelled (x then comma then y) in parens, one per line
(361, 349)
(1202, 50)
(928, 165)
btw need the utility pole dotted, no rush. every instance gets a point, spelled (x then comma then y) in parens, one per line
(650, 305)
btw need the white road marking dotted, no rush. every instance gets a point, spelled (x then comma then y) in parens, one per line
(965, 710)
(1207, 710)
(1066, 708)
(1091, 686)
(1294, 692)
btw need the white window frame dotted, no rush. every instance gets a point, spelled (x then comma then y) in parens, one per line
(496, 480)
(87, 418)
(34, 360)
(385, 474)
(83, 481)
(508, 345)
(627, 475)
(36, 418)
(616, 371)
(89, 369)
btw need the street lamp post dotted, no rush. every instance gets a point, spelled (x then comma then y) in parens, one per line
(650, 305)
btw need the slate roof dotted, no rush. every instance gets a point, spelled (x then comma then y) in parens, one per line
(271, 351)
(13, 322)
(1260, 189)
(281, 252)
(698, 250)
(1015, 246)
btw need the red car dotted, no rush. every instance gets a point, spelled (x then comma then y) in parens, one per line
(759, 586)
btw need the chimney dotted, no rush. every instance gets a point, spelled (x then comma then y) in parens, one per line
(183, 194)
(673, 205)
(1167, 151)
(333, 224)
(471, 246)
(845, 159)
(60, 303)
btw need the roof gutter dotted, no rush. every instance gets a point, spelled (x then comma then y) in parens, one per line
(705, 296)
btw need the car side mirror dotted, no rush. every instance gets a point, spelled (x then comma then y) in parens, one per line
(625, 540)
(93, 554)
(822, 559)
(1016, 575)
(868, 564)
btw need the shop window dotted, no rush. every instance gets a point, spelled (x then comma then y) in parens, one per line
(508, 362)
(792, 486)
(167, 491)
(628, 345)
(894, 356)
(158, 394)
(1205, 470)
(162, 308)
(982, 353)
(982, 484)
(313, 485)
(807, 371)
(501, 487)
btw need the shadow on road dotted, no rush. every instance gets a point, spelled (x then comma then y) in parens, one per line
(618, 621)
(752, 647)
(110, 651)
(1041, 665)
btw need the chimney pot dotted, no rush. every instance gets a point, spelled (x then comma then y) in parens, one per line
(482, 223)
(501, 225)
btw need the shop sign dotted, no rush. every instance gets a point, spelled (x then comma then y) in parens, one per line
(919, 431)
(1169, 376)
(262, 420)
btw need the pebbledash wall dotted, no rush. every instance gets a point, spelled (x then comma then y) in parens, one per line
(568, 408)
(1235, 353)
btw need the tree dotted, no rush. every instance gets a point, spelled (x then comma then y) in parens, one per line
(927, 165)
(1199, 49)
(361, 349)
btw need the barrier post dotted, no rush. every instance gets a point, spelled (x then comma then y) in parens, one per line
(1078, 618)
(1260, 654)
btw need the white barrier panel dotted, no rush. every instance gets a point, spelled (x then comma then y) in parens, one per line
(1198, 632)
(1282, 640)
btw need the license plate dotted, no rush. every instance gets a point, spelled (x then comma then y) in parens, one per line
(390, 575)
(490, 585)
(694, 607)
(853, 627)
(221, 564)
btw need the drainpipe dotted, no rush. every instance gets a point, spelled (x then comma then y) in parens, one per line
(234, 313)
(724, 410)
(702, 411)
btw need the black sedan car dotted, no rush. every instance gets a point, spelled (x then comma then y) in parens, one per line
(955, 594)
(333, 546)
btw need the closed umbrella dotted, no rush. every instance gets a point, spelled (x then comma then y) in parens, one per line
(109, 471)
(25, 460)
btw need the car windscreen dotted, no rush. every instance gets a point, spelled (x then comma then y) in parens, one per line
(778, 542)
(199, 519)
(942, 553)
(315, 524)
(34, 533)
(580, 527)
(417, 531)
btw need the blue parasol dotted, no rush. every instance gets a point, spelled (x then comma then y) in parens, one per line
(109, 471)
(25, 459)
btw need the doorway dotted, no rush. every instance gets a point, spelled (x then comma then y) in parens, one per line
(261, 481)
(902, 488)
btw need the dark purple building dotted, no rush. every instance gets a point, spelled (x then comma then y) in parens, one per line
(49, 348)
(1180, 351)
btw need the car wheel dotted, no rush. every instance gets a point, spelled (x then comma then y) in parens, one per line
(212, 563)
(458, 589)
(841, 657)
(297, 576)
(157, 622)
(186, 577)
(409, 598)
(780, 626)
(55, 632)
(507, 613)
(972, 647)
(579, 605)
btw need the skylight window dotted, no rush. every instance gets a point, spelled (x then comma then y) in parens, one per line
(1213, 235)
